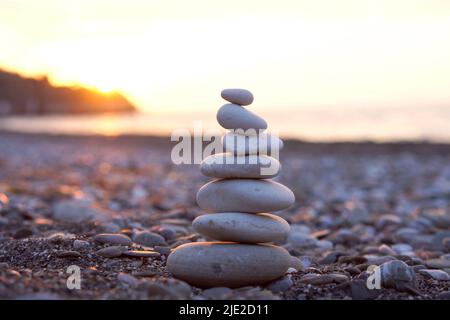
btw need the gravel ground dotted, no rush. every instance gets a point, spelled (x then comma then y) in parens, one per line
(358, 205)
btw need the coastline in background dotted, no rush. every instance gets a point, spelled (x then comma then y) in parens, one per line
(380, 125)
(37, 96)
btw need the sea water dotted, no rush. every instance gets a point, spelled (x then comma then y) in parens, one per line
(383, 124)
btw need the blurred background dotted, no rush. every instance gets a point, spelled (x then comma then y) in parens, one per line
(319, 70)
(106, 82)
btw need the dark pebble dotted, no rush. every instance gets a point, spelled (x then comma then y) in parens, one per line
(352, 270)
(332, 257)
(162, 250)
(359, 291)
(141, 254)
(22, 233)
(69, 254)
(443, 295)
(352, 259)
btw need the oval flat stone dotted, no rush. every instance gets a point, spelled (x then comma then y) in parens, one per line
(233, 116)
(142, 253)
(111, 252)
(149, 239)
(241, 144)
(244, 195)
(215, 264)
(113, 238)
(238, 96)
(242, 227)
(227, 165)
(435, 274)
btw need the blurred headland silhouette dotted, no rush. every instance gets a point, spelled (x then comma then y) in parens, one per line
(20, 95)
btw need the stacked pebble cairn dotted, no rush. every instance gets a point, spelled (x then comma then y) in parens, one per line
(238, 200)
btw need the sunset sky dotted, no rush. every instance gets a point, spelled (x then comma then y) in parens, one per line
(178, 55)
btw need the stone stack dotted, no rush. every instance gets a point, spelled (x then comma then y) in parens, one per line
(238, 201)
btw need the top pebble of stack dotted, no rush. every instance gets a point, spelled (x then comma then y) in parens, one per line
(238, 96)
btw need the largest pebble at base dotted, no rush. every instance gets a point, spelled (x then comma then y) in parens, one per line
(221, 264)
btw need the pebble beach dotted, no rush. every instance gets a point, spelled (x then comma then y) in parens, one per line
(116, 206)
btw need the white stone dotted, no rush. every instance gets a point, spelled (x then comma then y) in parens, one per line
(76, 211)
(233, 116)
(402, 248)
(296, 264)
(281, 285)
(127, 279)
(244, 195)
(300, 228)
(241, 144)
(227, 165)
(215, 264)
(301, 240)
(324, 244)
(80, 244)
(242, 227)
(238, 96)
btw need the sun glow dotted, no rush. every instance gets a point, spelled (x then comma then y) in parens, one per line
(297, 55)
(106, 88)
